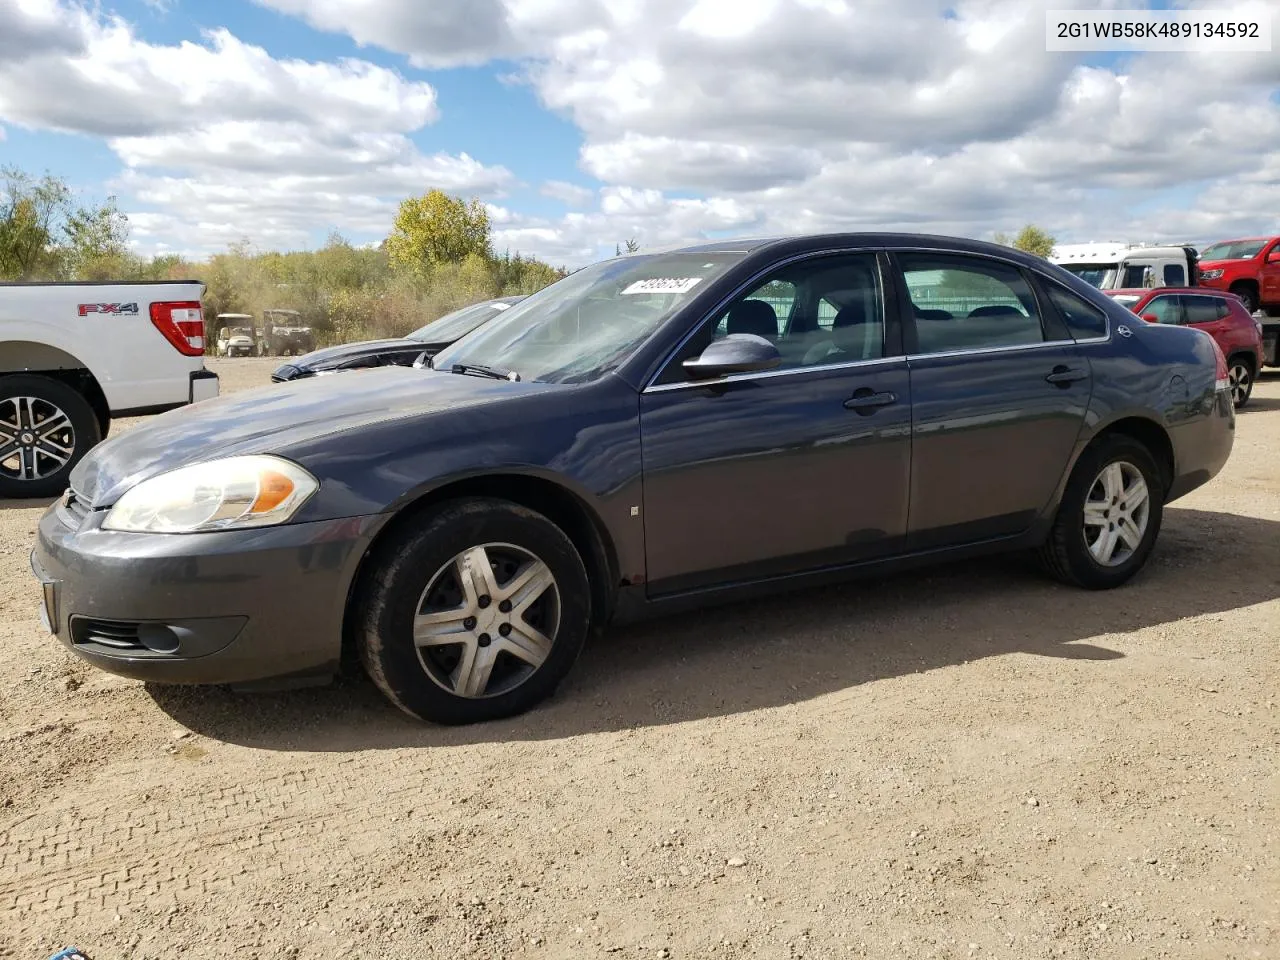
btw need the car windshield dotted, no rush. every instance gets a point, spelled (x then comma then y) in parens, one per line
(581, 326)
(1100, 275)
(1233, 250)
(457, 324)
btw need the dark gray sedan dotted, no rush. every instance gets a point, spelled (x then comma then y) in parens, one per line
(650, 433)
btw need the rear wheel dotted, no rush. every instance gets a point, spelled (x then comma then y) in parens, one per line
(476, 613)
(1240, 378)
(46, 427)
(1248, 295)
(1109, 517)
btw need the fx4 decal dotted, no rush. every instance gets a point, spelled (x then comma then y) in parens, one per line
(111, 308)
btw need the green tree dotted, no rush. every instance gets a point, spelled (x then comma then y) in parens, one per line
(437, 229)
(1030, 239)
(97, 244)
(31, 212)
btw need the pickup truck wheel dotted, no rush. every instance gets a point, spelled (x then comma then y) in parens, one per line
(1248, 296)
(1109, 517)
(46, 427)
(475, 613)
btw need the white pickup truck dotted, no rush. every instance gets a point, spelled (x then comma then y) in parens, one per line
(75, 355)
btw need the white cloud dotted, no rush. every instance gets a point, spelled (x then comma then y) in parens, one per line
(700, 116)
(224, 134)
(567, 193)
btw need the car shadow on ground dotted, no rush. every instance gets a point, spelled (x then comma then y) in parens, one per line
(792, 648)
(1260, 404)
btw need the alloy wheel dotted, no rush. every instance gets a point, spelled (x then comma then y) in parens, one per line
(487, 620)
(1116, 513)
(36, 438)
(1239, 380)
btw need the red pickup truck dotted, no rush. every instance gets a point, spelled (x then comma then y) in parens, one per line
(1248, 268)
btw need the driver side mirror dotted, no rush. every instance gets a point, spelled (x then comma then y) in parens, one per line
(736, 353)
(1150, 318)
(1274, 256)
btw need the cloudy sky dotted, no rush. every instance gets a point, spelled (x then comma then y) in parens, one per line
(585, 122)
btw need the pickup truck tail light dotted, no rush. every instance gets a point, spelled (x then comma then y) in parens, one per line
(182, 324)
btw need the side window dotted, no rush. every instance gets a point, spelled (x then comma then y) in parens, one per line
(1165, 309)
(778, 295)
(1134, 276)
(1175, 275)
(1224, 311)
(969, 303)
(788, 308)
(1200, 309)
(1084, 320)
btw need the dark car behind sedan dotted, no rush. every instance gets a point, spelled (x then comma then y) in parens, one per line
(430, 339)
(650, 433)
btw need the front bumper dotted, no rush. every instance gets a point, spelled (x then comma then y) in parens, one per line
(233, 607)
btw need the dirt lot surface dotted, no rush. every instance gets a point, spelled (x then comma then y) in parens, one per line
(970, 762)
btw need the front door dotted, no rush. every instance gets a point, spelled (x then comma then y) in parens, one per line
(1269, 275)
(997, 404)
(804, 466)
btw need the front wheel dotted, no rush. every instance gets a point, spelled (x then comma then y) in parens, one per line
(476, 613)
(1109, 517)
(1240, 379)
(45, 428)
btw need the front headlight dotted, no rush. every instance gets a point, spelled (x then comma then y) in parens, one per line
(1210, 274)
(230, 494)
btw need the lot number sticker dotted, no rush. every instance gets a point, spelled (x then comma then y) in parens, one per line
(663, 285)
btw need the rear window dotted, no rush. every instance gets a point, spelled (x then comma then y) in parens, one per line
(1200, 309)
(1083, 319)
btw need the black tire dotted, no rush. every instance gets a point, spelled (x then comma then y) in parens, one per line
(400, 572)
(1065, 554)
(1241, 374)
(1248, 295)
(50, 395)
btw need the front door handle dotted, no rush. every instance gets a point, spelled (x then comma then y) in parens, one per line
(866, 400)
(1065, 376)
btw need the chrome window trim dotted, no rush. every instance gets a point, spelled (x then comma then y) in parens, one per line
(982, 351)
(771, 374)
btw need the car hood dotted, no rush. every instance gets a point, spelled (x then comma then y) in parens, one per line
(332, 356)
(1218, 264)
(272, 419)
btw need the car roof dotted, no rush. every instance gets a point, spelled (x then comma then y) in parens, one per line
(809, 241)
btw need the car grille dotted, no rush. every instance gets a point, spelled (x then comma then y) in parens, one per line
(119, 634)
(72, 510)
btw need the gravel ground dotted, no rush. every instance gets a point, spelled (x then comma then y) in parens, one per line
(967, 762)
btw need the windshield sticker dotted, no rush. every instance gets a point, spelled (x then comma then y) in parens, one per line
(663, 285)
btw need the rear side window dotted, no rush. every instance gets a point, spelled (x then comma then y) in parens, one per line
(1200, 309)
(969, 303)
(1165, 310)
(1084, 320)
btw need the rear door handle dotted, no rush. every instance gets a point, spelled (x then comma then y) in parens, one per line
(1064, 376)
(866, 400)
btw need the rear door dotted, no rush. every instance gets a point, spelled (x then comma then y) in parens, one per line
(998, 397)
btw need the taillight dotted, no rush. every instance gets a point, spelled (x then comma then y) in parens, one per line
(1221, 377)
(182, 324)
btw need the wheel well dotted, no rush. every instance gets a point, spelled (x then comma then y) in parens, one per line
(1247, 357)
(1249, 284)
(560, 506)
(44, 360)
(1152, 436)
